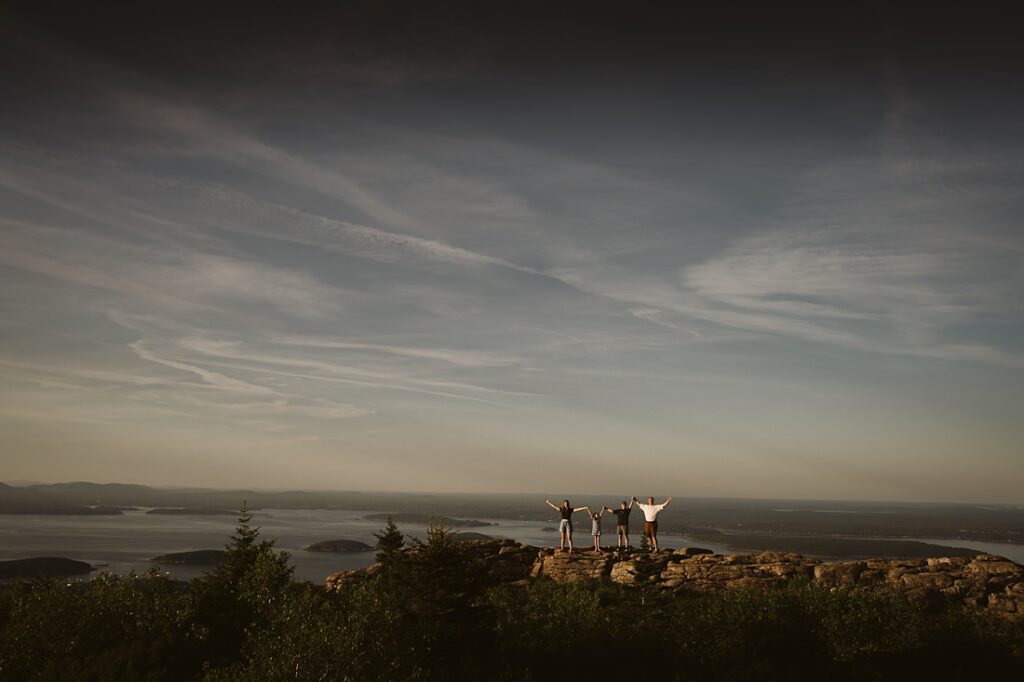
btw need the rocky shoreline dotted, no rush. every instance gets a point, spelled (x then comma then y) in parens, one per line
(984, 581)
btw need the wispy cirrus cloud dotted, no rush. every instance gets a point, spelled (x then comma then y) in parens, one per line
(234, 350)
(178, 278)
(212, 379)
(866, 255)
(205, 133)
(464, 358)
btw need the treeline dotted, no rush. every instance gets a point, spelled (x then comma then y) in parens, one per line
(429, 614)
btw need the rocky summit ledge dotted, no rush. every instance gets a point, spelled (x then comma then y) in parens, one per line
(983, 581)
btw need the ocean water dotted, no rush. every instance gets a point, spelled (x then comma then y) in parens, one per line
(120, 544)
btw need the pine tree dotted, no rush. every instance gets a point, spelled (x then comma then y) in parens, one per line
(390, 542)
(242, 550)
(441, 570)
(242, 592)
(245, 536)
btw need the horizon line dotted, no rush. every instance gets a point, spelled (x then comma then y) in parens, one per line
(24, 484)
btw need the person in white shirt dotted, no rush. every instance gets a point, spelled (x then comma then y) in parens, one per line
(651, 512)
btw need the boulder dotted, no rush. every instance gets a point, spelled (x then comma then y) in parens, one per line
(345, 579)
(691, 551)
(569, 567)
(994, 565)
(840, 574)
(926, 581)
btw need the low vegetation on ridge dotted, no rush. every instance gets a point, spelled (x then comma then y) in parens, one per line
(432, 615)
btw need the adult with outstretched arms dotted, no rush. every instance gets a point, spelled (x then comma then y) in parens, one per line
(565, 526)
(651, 512)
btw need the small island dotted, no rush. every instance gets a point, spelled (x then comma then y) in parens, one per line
(424, 519)
(36, 567)
(199, 557)
(467, 536)
(339, 546)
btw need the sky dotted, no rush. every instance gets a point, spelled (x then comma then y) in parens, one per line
(768, 255)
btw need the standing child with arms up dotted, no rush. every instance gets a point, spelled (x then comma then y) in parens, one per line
(595, 528)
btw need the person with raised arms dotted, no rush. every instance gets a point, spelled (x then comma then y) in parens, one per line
(651, 512)
(622, 522)
(565, 527)
(595, 527)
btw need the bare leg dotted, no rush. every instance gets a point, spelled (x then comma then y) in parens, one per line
(570, 542)
(561, 544)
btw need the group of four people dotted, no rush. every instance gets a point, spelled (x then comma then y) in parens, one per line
(650, 511)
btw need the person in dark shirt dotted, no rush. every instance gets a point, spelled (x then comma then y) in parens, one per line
(622, 522)
(565, 527)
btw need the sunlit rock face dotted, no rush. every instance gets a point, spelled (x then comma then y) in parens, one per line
(985, 581)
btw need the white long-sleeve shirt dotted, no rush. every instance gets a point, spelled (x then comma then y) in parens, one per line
(651, 511)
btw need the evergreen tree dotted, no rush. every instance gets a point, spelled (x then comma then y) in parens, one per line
(440, 569)
(241, 594)
(242, 549)
(390, 542)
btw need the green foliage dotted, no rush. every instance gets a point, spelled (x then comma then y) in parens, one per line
(390, 541)
(240, 596)
(429, 614)
(110, 628)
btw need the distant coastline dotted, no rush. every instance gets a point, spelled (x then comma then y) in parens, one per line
(424, 519)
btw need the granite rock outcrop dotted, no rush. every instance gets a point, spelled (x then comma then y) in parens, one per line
(984, 581)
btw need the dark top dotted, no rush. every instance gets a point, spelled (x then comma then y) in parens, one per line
(622, 516)
(566, 512)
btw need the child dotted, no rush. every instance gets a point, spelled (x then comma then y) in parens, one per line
(595, 529)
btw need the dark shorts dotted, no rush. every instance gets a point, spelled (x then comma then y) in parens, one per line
(650, 528)
(622, 530)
